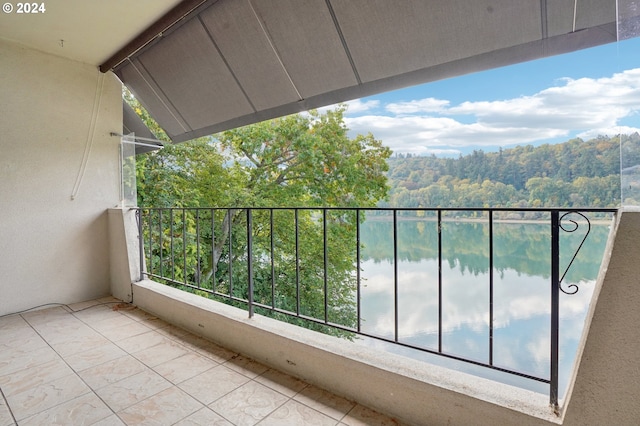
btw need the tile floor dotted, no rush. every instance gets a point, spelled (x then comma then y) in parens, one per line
(104, 362)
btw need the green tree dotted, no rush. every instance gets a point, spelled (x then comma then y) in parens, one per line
(295, 161)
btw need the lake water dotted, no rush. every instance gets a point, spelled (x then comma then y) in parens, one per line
(521, 280)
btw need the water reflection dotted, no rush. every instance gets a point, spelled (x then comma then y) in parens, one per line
(521, 285)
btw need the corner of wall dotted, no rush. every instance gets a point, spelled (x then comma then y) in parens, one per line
(123, 252)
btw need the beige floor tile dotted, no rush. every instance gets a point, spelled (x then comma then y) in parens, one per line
(325, 402)
(64, 331)
(141, 341)
(12, 322)
(112, 420)
(160, 353)
(164, 408)
(112, 371)
(80, 306)
(172, 332)
(28, 378)
(110, 323)
(43, 397)
(281, 382)
(207, 348)
(213, 384)
(78, 344)
(363, 416)
(43, 316)
(84, 410)
(204, 417)
(293, 413)
(95, 356)
(6, 419)
(11, 336)
(246, 366)
(97, 313)
(155, 323)
(138, 314)
(14, 361)
(109, 299)
(132, 390)
(132, 329)
(18, 346)
(248, 404)
(184, 367)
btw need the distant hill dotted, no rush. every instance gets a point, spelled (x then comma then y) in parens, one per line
(575, 173)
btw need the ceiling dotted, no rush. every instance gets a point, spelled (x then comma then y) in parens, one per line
(236, 62)
(88, 31)
(229, 63)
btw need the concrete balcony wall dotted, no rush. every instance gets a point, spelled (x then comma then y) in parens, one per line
(55, 249)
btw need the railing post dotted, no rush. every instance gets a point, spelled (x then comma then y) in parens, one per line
(439, 225)
(395, 275)
(555, 308)
(491, 295)
(140, 242)
(250, 260)
(325, 255)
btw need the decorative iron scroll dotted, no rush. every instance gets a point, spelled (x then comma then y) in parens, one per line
(572, 227)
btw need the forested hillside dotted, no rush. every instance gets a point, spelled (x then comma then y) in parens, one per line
(576, 173)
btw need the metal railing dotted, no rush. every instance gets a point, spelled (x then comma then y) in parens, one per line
(305, 263)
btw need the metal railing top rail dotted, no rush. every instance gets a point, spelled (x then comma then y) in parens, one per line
(224, 239)
(400, 209)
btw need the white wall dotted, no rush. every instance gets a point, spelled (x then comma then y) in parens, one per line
(606, 390)
(53, 248)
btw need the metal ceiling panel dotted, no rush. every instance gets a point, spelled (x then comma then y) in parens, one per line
(151, 97)
(308, 43)
(562, 15)
(249, 54)
(415, 34)
(236, 62)
(190, 71)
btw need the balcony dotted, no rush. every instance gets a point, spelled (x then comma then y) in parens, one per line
(108, 363)
(198, 360)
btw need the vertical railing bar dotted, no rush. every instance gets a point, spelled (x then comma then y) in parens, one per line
(439, 280)
(150, 265)
(198, 267)
(358, 267)
(490, 287)
(160, 228)
(229, 220)
(325, 260)
(250, 261)
(555, 308)
(297, 262)
(184, 244)
(395, 273)
(172, 257)
(139, 219)
(214, 266)
(273, 264)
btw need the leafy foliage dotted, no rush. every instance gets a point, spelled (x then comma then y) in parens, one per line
(572, 174)
(300, 160)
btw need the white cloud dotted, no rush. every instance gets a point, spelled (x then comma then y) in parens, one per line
(358, 106)
(355, 106)
(420, 105)
(586, 106)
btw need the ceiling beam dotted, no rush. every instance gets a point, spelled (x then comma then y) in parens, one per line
(172, 17)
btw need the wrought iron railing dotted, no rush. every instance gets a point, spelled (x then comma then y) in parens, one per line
(304, 264)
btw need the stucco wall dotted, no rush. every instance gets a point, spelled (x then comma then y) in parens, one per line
(53, 248)
(606, 390)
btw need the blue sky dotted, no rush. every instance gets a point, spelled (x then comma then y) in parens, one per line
(583, 94)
